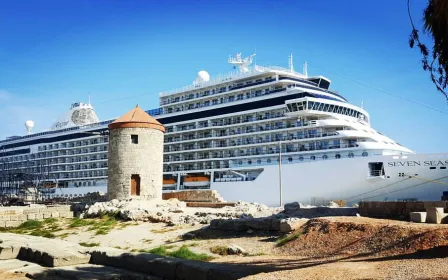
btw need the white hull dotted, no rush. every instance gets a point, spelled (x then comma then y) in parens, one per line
(343, 179)
(346, 179)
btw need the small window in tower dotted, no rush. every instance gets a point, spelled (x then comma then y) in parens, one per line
(134, 139)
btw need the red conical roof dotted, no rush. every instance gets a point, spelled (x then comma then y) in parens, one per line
(136, 118)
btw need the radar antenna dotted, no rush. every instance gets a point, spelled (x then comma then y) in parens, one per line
(242, 63)
(305, 69)
(291, 64)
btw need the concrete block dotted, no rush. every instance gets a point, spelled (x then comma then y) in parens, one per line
(434, 215)
(12, 224)
(418, 217)
(55, 215)
(31, 216)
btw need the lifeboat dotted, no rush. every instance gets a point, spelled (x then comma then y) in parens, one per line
(169, 183)
(196, 181)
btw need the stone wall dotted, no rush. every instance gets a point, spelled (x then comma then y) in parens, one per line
(15, 215)
(195, 196)
(144, 159)
(396, 210)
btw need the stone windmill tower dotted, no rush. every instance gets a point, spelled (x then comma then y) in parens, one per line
(135, 165)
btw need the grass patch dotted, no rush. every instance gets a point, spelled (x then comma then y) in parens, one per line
(42, 233)
(63, 235)
(77, 222)
(85, 244)
(50, 221)
(163, 230)
(30, 225)
(219, 250)
(104, 226)
(183, 253)
(288, 238)
(101, 226)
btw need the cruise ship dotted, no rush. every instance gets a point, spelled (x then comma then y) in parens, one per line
(261, 134)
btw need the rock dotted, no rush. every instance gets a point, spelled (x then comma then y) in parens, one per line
(291, 224)
(235, 250)
(189, 235)
(175, 210)
(250, 231)
(293, 206)
(333, 204)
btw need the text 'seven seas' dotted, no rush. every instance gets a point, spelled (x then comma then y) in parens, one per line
(418, 163)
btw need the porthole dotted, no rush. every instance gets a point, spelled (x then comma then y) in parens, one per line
(337, 156)
(249, 162)
(324, 157)
(312, 158)
(351, 155)
(290, 159)
(364, 154)
(269, 160)
(240, 162)
(300, 158)
(259, 161)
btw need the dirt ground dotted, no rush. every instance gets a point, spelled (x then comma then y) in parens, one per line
(325, 248)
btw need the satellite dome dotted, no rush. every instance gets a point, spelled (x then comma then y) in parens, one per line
(203, 76)
(29, 124)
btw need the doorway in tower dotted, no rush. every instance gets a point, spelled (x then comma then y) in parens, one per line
(135, 184)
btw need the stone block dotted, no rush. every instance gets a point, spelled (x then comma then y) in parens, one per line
(47, 215)
(12, 224)
(5, 218)
(434, 215)
(66, 214)
(418, 217)
(31, 216)
(193, 270)
(291, 224)
(39, 216)
(55, 215)
(9, 251)
(20, 217)
(52, 255)
(32, 210)
(2, 224)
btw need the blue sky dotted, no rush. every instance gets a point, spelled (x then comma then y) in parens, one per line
(54, 53)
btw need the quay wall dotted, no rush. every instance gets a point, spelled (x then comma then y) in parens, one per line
(194, 196)
(396, 210)
(14, 216)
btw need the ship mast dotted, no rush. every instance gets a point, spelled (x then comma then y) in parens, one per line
(241, 63)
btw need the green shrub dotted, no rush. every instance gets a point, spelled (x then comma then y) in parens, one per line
(288, 238)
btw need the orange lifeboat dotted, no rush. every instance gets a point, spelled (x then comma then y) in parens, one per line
(196, 181)
(169, 183)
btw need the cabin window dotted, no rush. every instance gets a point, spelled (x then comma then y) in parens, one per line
(134, 139)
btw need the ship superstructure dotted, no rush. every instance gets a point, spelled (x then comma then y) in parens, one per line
(246, 134)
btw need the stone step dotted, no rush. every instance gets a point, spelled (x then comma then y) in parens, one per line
(48, 252)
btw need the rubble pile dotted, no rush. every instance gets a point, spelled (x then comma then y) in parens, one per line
(172, 211)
